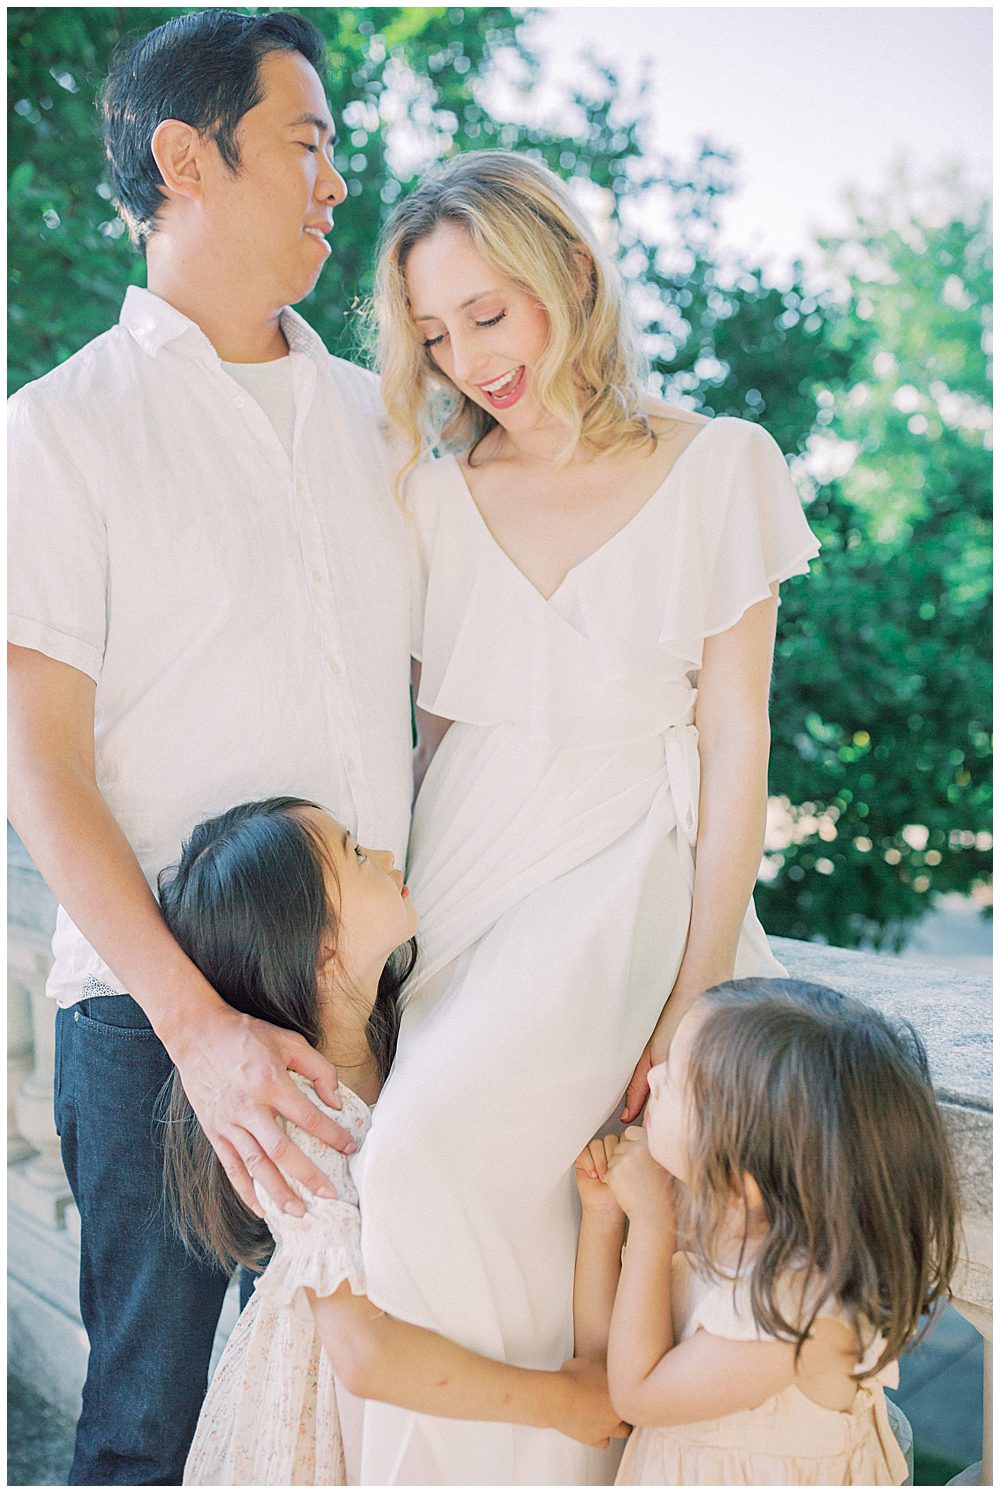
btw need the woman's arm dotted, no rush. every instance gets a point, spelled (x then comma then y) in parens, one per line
(430, 730)
(734, 740)
(380, 1358)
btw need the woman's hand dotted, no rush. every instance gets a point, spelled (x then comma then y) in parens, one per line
(589, 1415)
(639, 1183)
(655, 1050)
(591, 1167)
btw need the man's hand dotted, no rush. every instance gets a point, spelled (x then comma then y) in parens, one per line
(590, 1416)
(234, 1070)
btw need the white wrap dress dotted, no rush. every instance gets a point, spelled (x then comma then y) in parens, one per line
(552, 863)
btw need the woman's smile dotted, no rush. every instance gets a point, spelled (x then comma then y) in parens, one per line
(505, 391)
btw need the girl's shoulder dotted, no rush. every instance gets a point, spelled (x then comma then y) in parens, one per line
(355, 1116)
(722, 1305)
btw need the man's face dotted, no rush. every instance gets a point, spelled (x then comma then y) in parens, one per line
(269, 220)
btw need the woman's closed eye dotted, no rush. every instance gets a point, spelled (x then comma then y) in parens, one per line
(359, 853)
(490, 322)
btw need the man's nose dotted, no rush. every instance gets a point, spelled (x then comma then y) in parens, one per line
(331, 186)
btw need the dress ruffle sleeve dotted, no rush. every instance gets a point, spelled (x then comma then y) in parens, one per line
(322, 1249)
(739, 528)
(420, 498)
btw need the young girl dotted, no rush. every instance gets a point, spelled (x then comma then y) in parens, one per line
(819, 1213)
(295, 923)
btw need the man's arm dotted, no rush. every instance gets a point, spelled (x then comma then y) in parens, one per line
(233, 1068)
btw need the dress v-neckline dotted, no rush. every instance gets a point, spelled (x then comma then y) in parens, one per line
(604, 545)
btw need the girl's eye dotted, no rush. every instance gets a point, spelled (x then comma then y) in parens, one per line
(360, 853)
(433, 341)
(492, 321)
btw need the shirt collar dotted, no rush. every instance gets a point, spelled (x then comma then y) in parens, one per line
(153, 322)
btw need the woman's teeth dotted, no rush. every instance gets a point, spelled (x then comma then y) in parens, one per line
(501, 385)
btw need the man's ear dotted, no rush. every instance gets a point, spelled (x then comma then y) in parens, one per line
(177, 149)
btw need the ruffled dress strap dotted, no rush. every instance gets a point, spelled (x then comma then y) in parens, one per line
(739, 527)
(322, 1249)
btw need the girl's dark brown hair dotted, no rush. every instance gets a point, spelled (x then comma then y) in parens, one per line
(829, 1107)
(248, 904)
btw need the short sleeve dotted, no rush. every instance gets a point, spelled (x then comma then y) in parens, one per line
(740, 528)
(322, 1249)
(57, 588)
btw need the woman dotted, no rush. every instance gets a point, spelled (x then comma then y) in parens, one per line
(597, 578)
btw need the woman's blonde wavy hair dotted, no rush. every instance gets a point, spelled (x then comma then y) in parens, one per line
(524, 223)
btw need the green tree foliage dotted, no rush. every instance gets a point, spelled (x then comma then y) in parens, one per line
(883, 680)
(881, 691)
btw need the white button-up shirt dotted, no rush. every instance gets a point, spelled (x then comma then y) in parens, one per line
(245, 616)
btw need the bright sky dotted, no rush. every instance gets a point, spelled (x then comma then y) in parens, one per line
(811, 99)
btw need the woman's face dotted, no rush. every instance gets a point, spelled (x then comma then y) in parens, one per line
(668, 1118)
(484, 332)
(374, 912)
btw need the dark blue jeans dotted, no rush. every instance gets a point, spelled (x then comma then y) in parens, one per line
(150, 1310)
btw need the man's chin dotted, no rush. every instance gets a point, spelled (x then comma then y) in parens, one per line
(305, 287)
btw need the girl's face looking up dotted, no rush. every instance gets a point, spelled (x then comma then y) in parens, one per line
(370, 901)
(483, 331)
(668, 1118)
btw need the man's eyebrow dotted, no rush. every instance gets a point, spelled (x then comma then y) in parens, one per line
(324, 126)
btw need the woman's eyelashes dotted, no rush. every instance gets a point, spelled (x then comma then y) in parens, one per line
(491, 321)
(359, 853)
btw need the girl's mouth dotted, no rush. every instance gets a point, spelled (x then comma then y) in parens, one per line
(502, 393)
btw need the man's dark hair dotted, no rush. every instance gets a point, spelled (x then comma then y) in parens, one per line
(202, 68)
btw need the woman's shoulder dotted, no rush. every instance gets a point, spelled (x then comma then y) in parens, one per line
(425, 483)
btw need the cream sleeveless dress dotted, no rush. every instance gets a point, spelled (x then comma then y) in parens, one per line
(272, 1417)
(785, 1442)
(552, 863)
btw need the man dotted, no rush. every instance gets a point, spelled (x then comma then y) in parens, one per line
(208, 604)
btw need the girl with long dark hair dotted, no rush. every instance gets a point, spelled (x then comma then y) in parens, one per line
(295, 923)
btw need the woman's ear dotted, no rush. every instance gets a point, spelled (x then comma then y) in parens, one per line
(176, 149)
(583, 270)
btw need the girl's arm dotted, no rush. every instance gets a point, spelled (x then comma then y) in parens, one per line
(655, 1383)
(430, 730)
(377, 1357)
(599, 1253)
(734, 740)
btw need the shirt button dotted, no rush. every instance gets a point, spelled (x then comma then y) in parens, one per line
(333, 666)
(239, 402)
(317, 576)
(350, 764)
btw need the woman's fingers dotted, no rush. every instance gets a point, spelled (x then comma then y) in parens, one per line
(638, 1088)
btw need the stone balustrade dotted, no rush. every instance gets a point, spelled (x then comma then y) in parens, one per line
(46, 1343)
